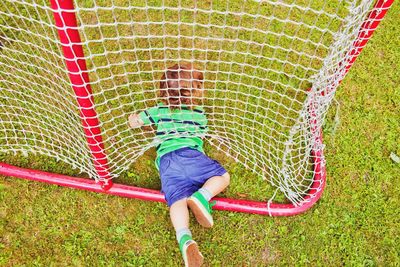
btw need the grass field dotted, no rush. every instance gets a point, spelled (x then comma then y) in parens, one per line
(355, 223)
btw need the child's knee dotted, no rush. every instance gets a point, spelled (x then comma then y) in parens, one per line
(227, 178)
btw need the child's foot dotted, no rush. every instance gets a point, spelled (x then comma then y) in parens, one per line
(201, 209)
(190, 252)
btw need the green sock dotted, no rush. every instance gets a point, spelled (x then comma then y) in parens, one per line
(181, 232)
(205, 193)
(183, 235)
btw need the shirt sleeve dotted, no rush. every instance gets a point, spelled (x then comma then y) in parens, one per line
(148, 116)
(204, 121)
(202, 118)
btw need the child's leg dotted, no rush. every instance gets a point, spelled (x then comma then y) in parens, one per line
(216, 185)
(179, 215)
(199, 201)
(180, 220)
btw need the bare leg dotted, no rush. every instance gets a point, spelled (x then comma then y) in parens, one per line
(217, 184)
(179, 214)
(180, 220)
(198, 203)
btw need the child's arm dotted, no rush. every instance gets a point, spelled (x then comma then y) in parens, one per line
(135, 121)
(147, 117)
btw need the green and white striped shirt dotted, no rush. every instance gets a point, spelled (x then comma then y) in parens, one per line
(177, 128)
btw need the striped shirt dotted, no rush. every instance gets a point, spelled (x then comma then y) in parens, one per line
(176, 128)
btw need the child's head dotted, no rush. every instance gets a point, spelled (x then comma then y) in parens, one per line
(181, 84)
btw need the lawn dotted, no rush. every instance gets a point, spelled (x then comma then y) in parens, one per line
(355, 223)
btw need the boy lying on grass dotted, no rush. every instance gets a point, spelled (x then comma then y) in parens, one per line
(188, 177)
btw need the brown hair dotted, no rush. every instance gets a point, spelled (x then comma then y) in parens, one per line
(181, 84)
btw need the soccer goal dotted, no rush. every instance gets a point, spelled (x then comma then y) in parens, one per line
(72, 71)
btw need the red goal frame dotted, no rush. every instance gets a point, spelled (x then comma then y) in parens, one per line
(66, 23)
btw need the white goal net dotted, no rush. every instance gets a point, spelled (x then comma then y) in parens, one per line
(271, 68)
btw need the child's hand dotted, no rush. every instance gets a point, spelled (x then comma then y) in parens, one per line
(135, 121)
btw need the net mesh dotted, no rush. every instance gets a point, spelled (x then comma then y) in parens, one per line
(270, 71)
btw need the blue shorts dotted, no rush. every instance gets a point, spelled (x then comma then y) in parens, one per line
(184, 171)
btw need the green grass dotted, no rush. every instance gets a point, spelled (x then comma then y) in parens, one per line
(355, 223)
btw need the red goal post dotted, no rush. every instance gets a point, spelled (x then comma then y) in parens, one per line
(68, 31)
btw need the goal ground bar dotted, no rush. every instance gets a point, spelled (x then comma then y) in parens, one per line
(247, 206)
